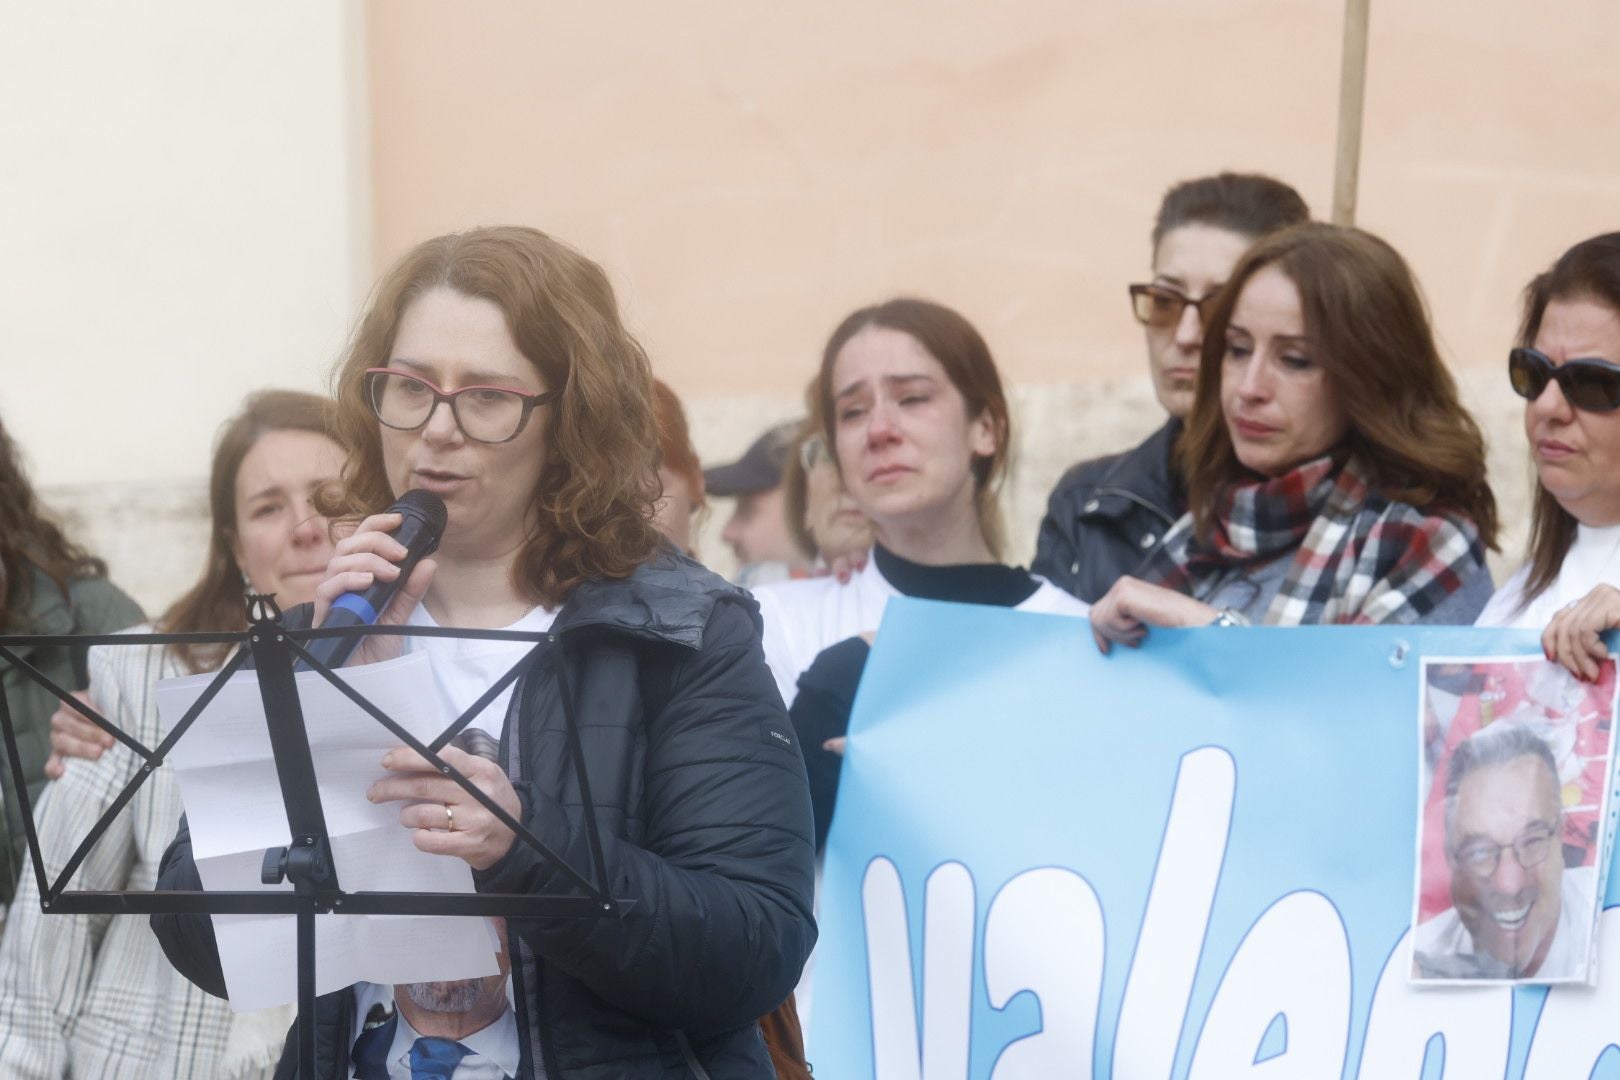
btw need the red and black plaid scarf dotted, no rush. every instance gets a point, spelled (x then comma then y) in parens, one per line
(1355, 556)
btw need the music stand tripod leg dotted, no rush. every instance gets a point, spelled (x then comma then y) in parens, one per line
(307, 863)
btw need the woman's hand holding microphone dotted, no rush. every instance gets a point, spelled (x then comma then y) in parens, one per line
(368, 555)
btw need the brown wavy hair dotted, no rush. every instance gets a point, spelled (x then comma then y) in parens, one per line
(215, 603)
(962, 352)
(29, 540)
(594, 501)
(1369, 331)
(1588, 271)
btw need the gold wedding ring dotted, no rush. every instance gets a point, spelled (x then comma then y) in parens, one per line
(449, 819)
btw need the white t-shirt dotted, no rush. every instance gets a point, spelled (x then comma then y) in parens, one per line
(1594, 559)
(495, 1055)
(1445, 935)
(463, 668)
(804, 617)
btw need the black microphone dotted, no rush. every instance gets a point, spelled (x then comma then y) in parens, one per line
(423, 517)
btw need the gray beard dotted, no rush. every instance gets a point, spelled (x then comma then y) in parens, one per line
(445, 997)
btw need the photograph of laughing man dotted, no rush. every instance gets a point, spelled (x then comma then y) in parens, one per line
(1517, 911)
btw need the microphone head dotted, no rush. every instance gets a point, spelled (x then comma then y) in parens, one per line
(426, 506)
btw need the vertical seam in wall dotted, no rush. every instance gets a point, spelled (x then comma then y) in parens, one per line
(360, 153)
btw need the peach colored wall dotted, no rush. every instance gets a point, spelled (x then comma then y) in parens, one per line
(749, 172)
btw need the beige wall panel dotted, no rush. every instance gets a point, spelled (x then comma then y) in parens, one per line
(183, 202)
(183, 198)
(749, 173)
(1492, 144)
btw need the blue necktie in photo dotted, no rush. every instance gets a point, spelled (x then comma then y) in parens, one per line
(435, 1059)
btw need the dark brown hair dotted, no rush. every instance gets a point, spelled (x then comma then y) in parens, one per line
(594, 501)
(1369, 331)
(1588, 271)
(962, 352)
(31, 541)
(215, 603)
(1245, 203)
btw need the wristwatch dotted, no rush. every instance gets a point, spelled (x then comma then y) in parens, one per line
(1227, 617)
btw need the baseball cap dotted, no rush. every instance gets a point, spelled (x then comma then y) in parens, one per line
(760, 467)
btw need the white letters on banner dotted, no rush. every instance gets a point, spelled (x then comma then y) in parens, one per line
(1283, 1004)
(1062, 967)
(1295, 964)
(1190, 860)
(1166, 959)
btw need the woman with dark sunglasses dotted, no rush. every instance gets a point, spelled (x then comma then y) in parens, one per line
(1333, 476)
(1567, 368)
(1108, 514)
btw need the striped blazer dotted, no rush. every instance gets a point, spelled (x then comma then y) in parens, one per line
(93, 996)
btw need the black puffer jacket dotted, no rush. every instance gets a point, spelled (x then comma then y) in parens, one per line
(1107, 515)
(705, 823)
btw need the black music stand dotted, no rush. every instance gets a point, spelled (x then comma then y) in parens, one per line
(307, 861)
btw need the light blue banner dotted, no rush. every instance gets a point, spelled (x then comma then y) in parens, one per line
(1193, 859)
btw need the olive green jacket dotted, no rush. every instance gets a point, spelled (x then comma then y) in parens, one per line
(92, 606)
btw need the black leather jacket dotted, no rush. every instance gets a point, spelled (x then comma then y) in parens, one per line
(705, 824)
(1107, 515)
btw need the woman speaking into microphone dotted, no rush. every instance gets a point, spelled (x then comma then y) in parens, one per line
(492, 370)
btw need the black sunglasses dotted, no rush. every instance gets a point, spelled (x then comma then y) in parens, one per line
(1588, 384)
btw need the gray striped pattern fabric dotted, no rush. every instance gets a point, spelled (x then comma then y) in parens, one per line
(93, 996)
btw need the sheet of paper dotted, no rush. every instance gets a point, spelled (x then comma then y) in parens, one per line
(228, 782)
(1516, 763)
